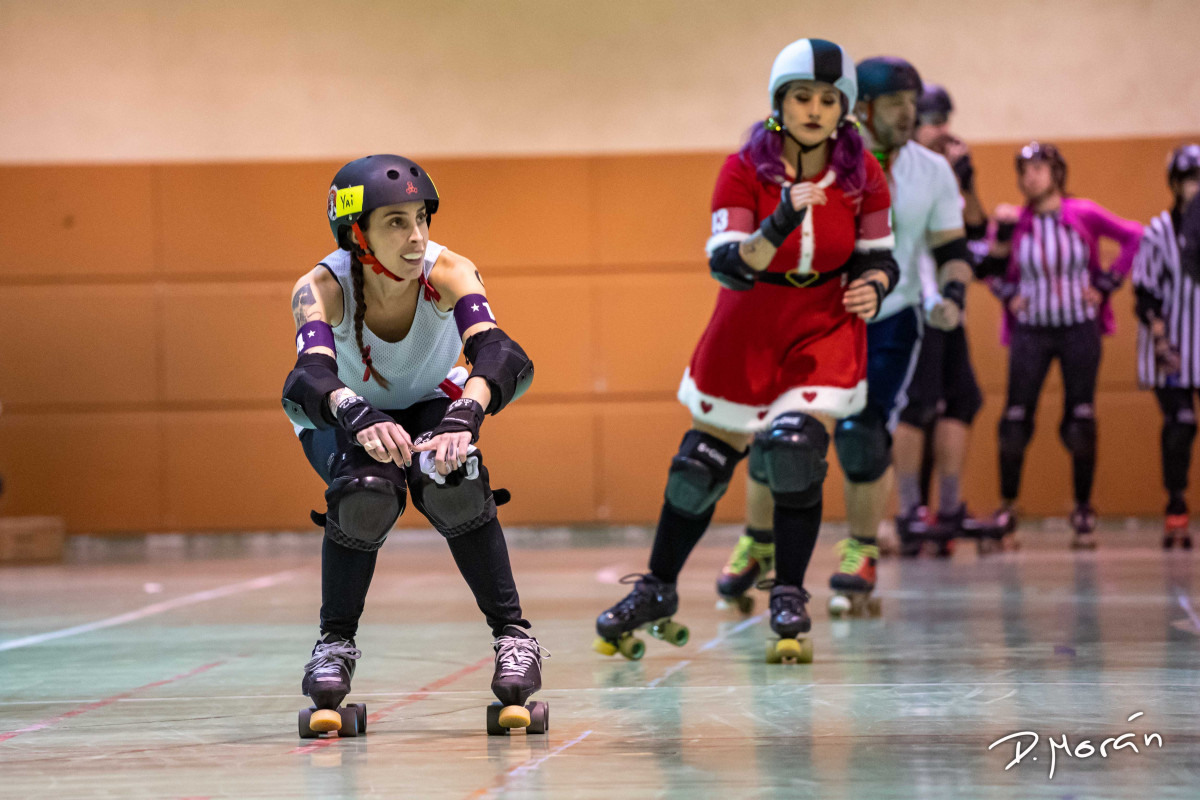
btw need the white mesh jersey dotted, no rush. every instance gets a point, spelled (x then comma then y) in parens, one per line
(416, 365)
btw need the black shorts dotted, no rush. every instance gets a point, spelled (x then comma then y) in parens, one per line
(943, 384)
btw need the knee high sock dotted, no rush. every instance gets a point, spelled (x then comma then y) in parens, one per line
(796, 532)
(1084, 471)
(345, 578)
(482, 558)
(674, 540)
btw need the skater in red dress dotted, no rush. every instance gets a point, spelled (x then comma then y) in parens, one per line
(801, 245)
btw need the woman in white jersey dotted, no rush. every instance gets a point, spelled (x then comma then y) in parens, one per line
(382, 411)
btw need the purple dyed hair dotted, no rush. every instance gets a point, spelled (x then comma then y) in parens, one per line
(764, 150)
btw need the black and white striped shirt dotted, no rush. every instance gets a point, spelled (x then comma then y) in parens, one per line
(1156, 269)
(1053, 259)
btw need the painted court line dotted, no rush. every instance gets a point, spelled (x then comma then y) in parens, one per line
(1186, 605)
(528, 767)
(46, 723)
(741, 626)
(150, 610)
(413, 697)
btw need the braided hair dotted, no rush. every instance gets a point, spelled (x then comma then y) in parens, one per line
(360, 311)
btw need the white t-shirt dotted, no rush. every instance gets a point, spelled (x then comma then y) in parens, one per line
(925, 200)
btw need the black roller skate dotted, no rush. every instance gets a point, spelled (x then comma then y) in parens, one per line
(912, 530)
(650, 605)
(1083, 522)
(750, 561)
(854, 581)
(791, 623)
(518, 675)
(327, 682)
(944, 529)
(1176, 532)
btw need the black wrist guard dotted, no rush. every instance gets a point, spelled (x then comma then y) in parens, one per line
(783, 220)
(991, 267)
(729, 269)
(355, 414)
(463, 415)
(955, 292)
(880, 293)
(964, 170)
(1106, 282)
(1005, 231)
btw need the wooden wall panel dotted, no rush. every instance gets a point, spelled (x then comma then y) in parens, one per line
(101, 472)
(78, 344)
(76, 222)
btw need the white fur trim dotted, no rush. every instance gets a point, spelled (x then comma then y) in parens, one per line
(833, 401)
(886, 243)
(719, 239)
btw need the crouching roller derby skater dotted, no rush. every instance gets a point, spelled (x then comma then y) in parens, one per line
(801, 245)
(382, 412)
(927, 217)
(1168, 308)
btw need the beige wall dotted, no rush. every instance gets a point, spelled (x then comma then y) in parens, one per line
(138, 80)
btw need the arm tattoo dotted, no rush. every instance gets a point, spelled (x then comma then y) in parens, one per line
(304, 305)
(478, 278)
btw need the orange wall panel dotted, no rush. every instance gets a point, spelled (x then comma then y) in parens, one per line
(226, 341)
(78, 344)
(76, 221)
(101, 472)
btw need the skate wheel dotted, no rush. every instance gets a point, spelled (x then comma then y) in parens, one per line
(306, 731)
(745, 604)
(349, 728)
(360, 710)
(494, 728)
(671, 632)
(539, 717)
(874, 606)
(631, 647)
(514, 717)
(788, 651)
(604, 647)
(324, 720)
(839, 605)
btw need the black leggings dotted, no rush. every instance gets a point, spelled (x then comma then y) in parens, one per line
(1077, 348)
(1178, 434)
(481, 555)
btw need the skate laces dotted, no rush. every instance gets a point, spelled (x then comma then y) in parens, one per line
(642, 587)
(854, 553)
(746, 549)
(516, 655)
(767, 584)
(331, 657)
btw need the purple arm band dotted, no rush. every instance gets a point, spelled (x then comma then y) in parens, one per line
(314, 334)
(471, 310)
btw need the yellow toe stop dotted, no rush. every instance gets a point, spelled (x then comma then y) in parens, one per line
(514, 717)
(324, 720)
(604, 647)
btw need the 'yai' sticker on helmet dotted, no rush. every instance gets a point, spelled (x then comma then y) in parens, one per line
(349, 200)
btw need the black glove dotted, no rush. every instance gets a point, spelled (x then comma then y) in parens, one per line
(463, 415)
(355, 414)
(964, 170)
(783, 220)
(1107, 282)
(1005, 231)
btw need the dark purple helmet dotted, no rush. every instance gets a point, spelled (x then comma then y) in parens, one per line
(372, 182)
(1043, 151)
(1183, 162)
(934, 101)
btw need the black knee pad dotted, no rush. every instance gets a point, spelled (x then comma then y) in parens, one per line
(1078, 431)
(700, 474)
(919, 414)
(362, 509)
(1016, 429)
(463, 503)
(793, 453)
(864, 446)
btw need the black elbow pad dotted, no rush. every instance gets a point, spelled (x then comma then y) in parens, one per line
(729, 269)
(307, 386)
(502, 363)
(954, 249)
(1147, 307)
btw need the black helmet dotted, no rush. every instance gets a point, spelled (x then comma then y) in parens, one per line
(1185, 160)
(934, 100)
(372, 182)
(1042, 151)
(886, 74)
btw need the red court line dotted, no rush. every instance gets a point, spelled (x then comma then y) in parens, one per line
(417, 696)
(46, 723)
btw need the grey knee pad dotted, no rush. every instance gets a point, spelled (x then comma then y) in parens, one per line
(461, 504)
(700, 474)
(793, 461)
(1078, 431)
(362, 509)
(864, 446)
(1016, 429)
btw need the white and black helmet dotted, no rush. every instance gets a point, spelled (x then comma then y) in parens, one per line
(814, 60)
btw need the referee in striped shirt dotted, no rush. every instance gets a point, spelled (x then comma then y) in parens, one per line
(1168, 306)
(1046, 263)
